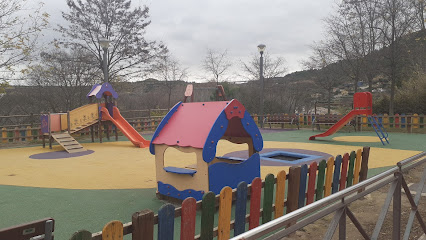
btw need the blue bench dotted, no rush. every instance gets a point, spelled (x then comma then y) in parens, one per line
(180, 170)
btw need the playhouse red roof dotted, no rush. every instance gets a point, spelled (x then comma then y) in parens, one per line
(190, 125)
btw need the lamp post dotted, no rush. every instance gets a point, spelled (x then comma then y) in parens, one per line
(261, 48)
(105, 44)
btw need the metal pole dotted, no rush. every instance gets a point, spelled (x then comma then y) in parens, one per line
(262, 88)
(105, 64)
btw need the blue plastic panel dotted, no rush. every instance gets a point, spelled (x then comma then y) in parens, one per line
(226, 174)
(161, 126)
(216, 133)
(252, 129)
(170, 191)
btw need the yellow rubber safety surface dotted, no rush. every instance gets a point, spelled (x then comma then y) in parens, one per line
(360, 139)
(120, 165)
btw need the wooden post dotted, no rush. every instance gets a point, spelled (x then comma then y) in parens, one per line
(50, 133)
(92, 133)
(44, 140)
(143, 225)
(364, 164)
(116, 133)
(107, 129)
(69, 122)
(293, 189)
(100, 131)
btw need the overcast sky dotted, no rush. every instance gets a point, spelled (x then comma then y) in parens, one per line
(189, 27)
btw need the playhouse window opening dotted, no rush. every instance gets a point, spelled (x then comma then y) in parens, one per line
(176, 158)
(224, 147)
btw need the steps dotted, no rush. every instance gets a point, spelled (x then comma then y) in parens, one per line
(379, 129)
(68, 142)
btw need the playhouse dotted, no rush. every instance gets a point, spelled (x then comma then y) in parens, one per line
(197, 127)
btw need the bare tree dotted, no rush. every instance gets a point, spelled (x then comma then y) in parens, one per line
(19, 31)
(62, 78)
(170, 70)
(216, 63)
(130, 54)
(398, 19)
(272, 67)
(322, 60)
(419, 8)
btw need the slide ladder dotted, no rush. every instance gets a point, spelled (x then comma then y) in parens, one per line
(379, 129)
(68, 142)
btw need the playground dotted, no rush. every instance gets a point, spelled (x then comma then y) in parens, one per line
(118, 179)
(197, 148)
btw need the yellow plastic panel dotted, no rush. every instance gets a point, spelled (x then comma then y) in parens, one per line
(84, 115)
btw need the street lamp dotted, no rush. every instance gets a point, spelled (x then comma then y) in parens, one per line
(261, 48)
(105, 44)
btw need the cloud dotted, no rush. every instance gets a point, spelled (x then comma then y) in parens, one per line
(188, 27)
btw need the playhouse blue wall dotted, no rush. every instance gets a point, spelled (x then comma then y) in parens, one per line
(225, 174)
(161, 126)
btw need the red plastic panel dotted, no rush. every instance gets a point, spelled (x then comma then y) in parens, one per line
(190, 124)
(235, 109)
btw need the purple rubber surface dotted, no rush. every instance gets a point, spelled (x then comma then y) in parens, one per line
(60, 154)
(244, 154)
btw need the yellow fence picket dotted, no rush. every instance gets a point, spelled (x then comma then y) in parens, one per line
(113, 231)
(280, 194)
(328, 177)
(225, 206)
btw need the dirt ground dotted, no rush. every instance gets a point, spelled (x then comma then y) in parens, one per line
(367, 211)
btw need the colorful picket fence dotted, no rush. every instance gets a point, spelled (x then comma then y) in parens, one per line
(406, 122)
(306, 184)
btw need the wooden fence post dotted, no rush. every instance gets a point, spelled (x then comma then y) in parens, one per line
(364, 164)
(293, 189)
(143, 225)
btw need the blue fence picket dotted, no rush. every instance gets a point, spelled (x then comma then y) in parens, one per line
(336, 176)
(302, 187)
(166, 219)
(240, 209)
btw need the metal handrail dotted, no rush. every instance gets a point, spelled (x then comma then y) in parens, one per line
(329, 204)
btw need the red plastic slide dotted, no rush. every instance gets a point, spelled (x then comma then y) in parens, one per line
(125, 127)
(363, 104)
(336, 127)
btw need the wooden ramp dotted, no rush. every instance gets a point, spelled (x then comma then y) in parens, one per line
(68, 142)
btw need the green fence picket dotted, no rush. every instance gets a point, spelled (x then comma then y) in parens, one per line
(268, 195)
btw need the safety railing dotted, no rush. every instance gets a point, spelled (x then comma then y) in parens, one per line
(338, 203)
